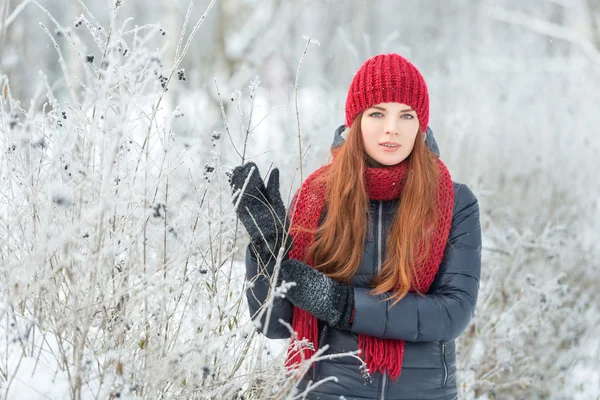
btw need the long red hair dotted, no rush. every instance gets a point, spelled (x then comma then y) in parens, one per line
(339, 243)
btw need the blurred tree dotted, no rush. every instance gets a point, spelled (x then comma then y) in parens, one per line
(594, 13)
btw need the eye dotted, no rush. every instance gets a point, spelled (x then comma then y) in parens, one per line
(376, 114)
(409, 116)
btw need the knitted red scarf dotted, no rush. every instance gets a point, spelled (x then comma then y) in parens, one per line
(381, 184)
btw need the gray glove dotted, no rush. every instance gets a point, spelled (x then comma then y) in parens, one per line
(320, 295)
(261, 210)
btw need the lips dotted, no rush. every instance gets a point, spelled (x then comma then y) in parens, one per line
(390, 145)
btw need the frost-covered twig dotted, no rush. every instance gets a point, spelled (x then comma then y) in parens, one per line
(296, 85)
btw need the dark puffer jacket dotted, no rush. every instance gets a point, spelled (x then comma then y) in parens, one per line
(428, 323)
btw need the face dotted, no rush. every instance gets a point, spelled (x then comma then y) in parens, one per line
(389, 131)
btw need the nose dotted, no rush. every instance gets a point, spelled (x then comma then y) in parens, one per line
(391, 126)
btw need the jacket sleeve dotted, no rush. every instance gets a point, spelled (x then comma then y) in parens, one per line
(256, 295)
(445, 311)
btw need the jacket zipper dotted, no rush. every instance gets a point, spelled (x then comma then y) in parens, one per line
(445, 366)
(379, 229)
(379, 246)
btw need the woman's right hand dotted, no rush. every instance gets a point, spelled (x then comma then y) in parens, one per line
(260, 209)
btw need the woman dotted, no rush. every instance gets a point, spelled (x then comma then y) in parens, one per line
(386, 253)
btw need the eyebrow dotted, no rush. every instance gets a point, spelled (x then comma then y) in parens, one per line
(383, 109)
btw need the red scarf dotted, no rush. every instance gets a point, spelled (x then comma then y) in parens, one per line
(384, 355)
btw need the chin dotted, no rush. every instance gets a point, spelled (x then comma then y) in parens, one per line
(390, 163)
(385, 159)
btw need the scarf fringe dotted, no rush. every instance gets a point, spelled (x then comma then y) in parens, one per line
(306, 327)
(382, 355)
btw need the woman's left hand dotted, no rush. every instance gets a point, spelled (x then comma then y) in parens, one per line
(320, 295)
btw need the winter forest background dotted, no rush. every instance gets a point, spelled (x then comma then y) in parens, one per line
(121, 261)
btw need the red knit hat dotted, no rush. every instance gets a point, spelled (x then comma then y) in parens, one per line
(388, 78)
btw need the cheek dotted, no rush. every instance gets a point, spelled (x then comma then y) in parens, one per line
(412, 128)
(411, 144)
(364, 132)
(412, 133)
(368, 132)
(369, 140)
(364, 128)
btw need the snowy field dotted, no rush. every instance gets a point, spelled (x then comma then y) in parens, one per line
(121, 260)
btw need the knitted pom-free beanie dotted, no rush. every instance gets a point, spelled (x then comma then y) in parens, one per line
(388, 78)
